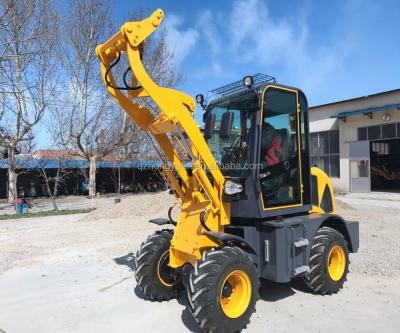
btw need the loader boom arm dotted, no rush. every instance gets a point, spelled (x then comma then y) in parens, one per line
(167, 116)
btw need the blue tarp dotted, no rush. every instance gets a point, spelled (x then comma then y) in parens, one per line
(36, 163)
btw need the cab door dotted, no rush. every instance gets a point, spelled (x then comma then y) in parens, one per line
(280, 152)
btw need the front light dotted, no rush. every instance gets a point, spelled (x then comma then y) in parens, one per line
(200, 99)
(231, 187)
(248, 81)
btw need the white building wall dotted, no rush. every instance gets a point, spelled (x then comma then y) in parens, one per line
(320, 120)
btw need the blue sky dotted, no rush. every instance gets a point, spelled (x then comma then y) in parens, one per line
(332, 50)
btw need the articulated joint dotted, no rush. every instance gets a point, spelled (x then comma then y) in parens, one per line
(137, 32)
(133, 33)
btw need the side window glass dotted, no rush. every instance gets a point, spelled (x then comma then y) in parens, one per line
(280, 169)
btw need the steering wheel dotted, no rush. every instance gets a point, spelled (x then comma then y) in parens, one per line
(280, 168)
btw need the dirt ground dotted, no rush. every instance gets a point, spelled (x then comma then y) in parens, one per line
(74, 274)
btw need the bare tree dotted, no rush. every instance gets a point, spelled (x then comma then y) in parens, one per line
(27, 82)
(53, 182)
(89, 122)
(116, 177)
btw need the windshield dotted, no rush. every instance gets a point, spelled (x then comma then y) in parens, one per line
(233, 153)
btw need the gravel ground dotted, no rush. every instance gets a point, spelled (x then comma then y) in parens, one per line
(74, 274)
(111, 228)
(379, 252)
(63, 202)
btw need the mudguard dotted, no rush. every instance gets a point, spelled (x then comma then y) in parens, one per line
(230, 240)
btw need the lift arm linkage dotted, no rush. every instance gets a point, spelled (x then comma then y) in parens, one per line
(170, 123)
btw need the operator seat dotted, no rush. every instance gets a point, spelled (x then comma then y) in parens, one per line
(275, 151)
(275, 146)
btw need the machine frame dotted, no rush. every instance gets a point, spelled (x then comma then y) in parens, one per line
(201, 198)
(222, 243)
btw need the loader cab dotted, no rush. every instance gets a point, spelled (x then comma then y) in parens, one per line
(259, 138)
(229, 132)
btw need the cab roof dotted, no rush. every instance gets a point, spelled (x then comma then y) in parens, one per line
(237, 88)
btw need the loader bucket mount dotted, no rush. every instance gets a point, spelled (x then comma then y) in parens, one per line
(167, 116)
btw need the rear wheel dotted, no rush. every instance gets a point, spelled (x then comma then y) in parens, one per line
(329, 262)
(153, 275)
(223, 290)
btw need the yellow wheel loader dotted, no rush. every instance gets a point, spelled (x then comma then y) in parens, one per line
(252, 207)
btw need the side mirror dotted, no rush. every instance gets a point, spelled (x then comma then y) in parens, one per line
(209, 125)
(226, 125)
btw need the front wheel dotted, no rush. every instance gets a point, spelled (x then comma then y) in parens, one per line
(153, 275)
(223, 290)
(329, 262)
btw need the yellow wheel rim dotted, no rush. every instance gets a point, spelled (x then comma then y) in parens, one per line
(161, 261)
(336, 263)
(235, 294)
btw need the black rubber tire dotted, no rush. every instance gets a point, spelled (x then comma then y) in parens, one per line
(319, 280)
(146, 265)
(205, 284)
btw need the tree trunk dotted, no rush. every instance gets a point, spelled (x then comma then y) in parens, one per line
(12, 177)
(53, 200)
(54, 195)
(92, 177)
(119, 181)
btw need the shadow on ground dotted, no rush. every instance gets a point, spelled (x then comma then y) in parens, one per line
(140, 294)
(272, 291)
(269, 292)
(127, 260)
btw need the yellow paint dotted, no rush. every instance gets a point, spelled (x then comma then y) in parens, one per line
(236, 301)
(188, 242)
(323, 180)
(165, 283)
(162, 125)
(336, 262)
(170, 114)
(298, 145)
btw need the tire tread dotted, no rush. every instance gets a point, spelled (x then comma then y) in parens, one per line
(201, 289)
(145, 259)
(318, 280)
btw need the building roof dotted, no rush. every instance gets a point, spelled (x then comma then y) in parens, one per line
(58, 154)
(63, 154)
(369, 111)
(357, 98)
(36, 163)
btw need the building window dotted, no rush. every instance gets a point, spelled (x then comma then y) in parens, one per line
(333, 142)
(385, 131)
(325, 152)
(362, 134)
(388, 131)
(374, 133)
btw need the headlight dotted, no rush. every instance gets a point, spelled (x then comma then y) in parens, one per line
(231, 187)
(200, 99)
(248, 81)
